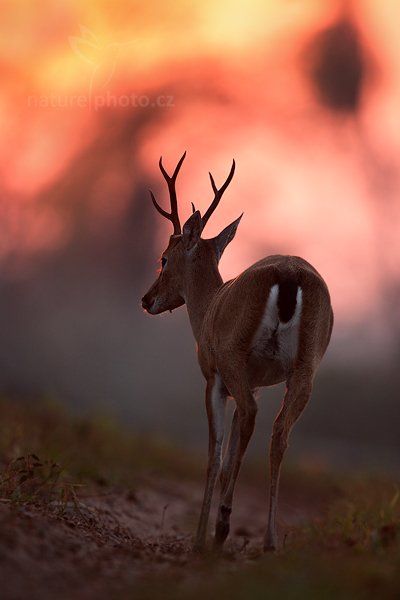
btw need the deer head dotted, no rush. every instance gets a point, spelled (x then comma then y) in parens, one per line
(187, 250)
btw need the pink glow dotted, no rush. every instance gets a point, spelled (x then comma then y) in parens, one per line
(308, 183)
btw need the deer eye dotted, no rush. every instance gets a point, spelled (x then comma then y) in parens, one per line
(163, 262)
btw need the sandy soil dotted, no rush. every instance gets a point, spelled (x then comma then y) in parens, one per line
(113, 540)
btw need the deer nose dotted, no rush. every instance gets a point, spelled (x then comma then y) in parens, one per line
(145, 303)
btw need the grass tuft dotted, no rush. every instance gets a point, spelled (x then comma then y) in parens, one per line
(88, 450)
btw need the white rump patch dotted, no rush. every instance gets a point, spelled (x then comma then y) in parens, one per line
(274, 339)
(270, 317)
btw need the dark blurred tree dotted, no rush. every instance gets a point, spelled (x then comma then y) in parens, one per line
(114, 246)
(338, 66)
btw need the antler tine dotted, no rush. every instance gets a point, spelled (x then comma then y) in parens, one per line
(173, 215)
(162, 212)
(218, 194)
(178, 166)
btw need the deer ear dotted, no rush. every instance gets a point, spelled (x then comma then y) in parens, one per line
(192, 231)
(226, 236)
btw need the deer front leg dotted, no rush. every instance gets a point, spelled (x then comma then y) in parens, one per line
(231, 450)
(215, 405)
(296, 397)
(241, 432)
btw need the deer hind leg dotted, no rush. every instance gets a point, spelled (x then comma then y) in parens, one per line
(296, 397)
(215, 405)
(241, 432)
(224, 512)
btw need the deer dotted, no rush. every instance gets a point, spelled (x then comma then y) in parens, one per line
(270, 324)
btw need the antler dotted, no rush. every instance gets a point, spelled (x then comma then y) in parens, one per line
(218, 194)
(173, 215)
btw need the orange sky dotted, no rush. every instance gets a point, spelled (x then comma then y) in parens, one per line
(308, 182)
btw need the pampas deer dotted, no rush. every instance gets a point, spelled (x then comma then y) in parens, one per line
(270, 324)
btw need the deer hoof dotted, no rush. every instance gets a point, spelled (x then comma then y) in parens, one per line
(221, 533)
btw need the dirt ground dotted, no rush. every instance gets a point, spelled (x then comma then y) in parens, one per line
(109, 543)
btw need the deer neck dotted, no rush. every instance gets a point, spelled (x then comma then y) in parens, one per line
(202, 283)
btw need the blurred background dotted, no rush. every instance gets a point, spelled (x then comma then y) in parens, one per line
(304, 95)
